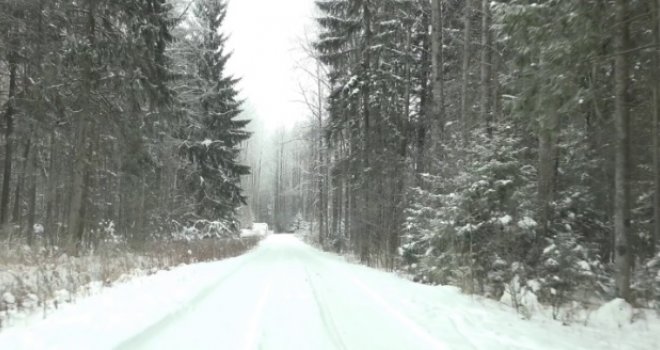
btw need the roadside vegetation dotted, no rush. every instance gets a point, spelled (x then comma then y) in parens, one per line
(39, 279)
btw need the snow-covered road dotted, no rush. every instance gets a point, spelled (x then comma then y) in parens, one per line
(287, 295)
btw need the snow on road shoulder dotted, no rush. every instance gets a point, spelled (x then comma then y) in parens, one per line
(472, 322)
(103, 321)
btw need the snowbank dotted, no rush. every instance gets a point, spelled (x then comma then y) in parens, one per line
(126, 308)
(36, 282)
(612, 315)
(615, 314)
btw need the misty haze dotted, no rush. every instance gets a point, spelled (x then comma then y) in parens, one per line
(329, 174)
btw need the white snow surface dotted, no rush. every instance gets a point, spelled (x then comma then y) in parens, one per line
(287, 295)
(616, 313)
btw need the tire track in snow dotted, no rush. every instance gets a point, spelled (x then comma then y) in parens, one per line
(326, 316)
(138, 340)
(411, 325)
(396, 314)
(253, 336)
(392, 310)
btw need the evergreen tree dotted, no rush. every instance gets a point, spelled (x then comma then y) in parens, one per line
(214, 133)
(97, 117)
(535, 184)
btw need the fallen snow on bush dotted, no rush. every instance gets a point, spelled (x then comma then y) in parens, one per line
(615, 314)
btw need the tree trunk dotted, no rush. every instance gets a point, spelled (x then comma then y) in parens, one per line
(321, 168)
(279, 207)
(427, 111)
(438, 61)
(16, 215)
(32, 197)
(547, 166)
(51, 191)
(656, 137)
(319, 190)
(365, 208)
(622, 249)
(348, 198)
(465, 100)
(9, 138)
(79, 183)
(486, 66)
(349, 193)
(141, 229)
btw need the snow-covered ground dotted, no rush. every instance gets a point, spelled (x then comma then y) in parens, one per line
(288, 295)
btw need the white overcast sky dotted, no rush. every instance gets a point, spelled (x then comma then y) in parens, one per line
(265, 37)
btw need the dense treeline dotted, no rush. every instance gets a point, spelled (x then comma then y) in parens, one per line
(482, 142)
(118, 117)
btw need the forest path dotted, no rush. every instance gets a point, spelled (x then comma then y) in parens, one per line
(287, 295)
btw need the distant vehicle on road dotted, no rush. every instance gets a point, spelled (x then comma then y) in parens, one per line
(258, 229)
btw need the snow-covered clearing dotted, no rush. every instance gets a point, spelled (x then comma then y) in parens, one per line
(288, 295)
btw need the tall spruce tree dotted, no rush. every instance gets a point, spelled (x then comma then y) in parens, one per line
(214, 132)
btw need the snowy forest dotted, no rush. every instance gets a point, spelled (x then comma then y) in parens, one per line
(117, 118)
(502, 147)
(498, 146)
